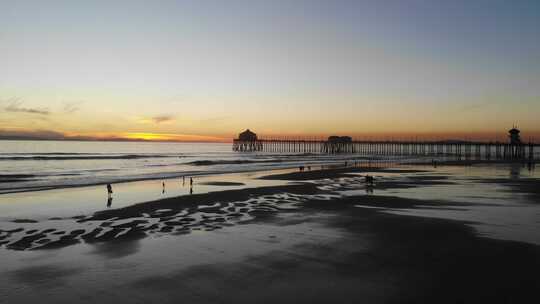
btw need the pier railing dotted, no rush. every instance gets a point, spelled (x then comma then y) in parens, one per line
(476, 150)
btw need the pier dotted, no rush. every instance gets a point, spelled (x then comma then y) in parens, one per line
(512, 150)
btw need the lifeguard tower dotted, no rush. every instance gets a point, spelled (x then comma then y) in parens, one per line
(516, 148)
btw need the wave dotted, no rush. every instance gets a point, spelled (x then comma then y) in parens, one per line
(65, 174)
(33, 177)
(275, 159)
(49, 153)
(164, 165)
(227, 162)
(85, 157)
(10, 178)
(16, 175)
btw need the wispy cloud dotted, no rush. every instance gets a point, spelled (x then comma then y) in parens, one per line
(159, 119)
(30, 134)
(15, 105)
(162, 118)
(72, 107)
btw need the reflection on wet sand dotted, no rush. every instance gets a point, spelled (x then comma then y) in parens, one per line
(369, 190)
(283, 242)
(222, 209)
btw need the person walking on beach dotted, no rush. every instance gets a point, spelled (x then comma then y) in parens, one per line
(191, 181)
(109, 190)
(369, 180)
(163, 191)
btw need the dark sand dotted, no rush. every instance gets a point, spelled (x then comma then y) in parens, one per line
(438, 261)
(405, 259)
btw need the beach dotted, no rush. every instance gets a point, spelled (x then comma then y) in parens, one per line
(232, 152)
(316, 236)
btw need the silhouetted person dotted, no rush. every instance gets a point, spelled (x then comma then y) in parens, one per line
(163, 191)
(183, 180)
(109, 201)
(369, 180)
(191, 181)
(530, 166)
(515, 171)
(109, 190)
(191, 190)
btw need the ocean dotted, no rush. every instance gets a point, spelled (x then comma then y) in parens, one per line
(43, 165)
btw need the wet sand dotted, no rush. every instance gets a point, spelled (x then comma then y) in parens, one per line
(343, 249)
(531, 186)
(333, 173)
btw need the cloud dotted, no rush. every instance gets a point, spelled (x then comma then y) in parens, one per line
(26, 134)
(162, 118)
(158, 119)
(72, 107)
(31, 134)
(16, 106)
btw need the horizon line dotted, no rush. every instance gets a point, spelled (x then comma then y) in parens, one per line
(231, 140)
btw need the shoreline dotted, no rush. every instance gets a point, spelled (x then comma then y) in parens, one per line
(295, 187)
(165, 178)
(371, 164)
(314, 245)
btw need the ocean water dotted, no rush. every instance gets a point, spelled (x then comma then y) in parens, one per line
(41, 165)
(164, 265)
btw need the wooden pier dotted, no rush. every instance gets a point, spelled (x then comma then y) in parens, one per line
(461, 150)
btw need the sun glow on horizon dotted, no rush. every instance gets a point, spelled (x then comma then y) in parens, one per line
(499, 135)
(171, 137)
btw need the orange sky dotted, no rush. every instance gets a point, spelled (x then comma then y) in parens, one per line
(373, 69)
(226, 138)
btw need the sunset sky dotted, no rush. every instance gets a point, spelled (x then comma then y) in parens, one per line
(205, 70)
